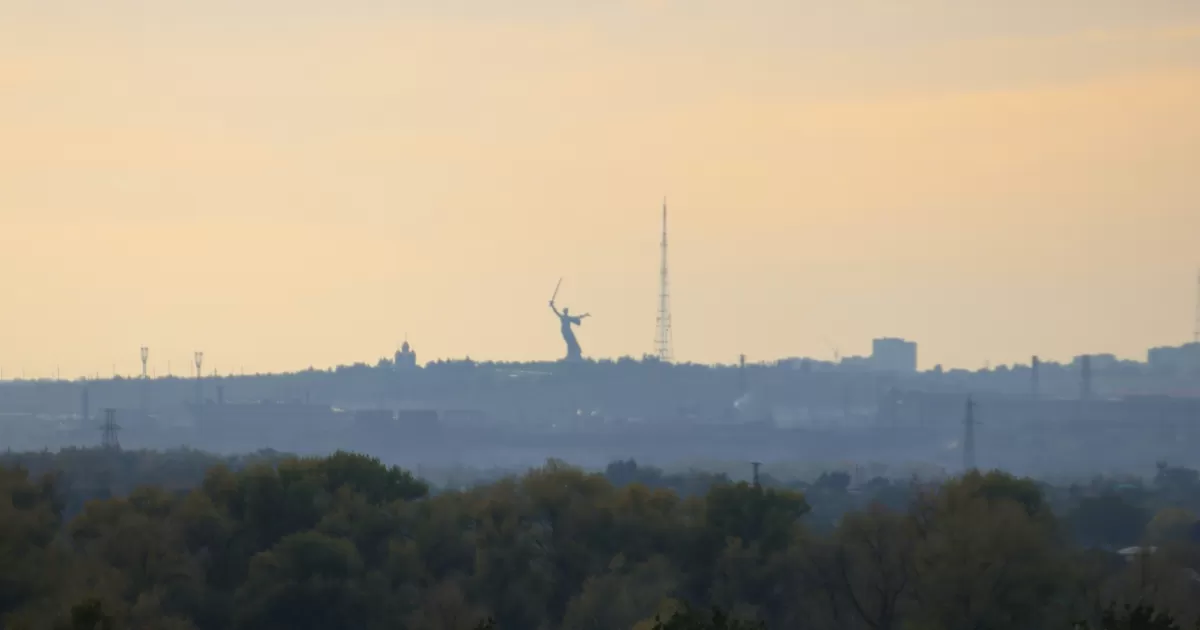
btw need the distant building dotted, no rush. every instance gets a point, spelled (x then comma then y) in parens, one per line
(894, 355)
(1098, 361)
(405, 358)
(1176, 359)
(855, 363)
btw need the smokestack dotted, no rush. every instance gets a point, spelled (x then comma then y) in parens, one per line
(742, 375)
(1085, 386)
(1035, 378)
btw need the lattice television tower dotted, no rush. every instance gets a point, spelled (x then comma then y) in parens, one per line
(662, 341)
(110, 429)
(145, 358)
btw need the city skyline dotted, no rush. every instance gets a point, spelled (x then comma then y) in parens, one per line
(285, 184)
(852, 361)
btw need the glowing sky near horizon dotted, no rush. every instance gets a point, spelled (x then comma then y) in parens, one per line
(286, 184)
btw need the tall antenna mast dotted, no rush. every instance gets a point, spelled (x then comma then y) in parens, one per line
(662, 340)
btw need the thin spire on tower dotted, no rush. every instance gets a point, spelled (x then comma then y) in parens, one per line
(662, 341)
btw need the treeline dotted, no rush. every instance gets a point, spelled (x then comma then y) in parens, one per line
(1110, 512)
(86, 474)
(346, 542)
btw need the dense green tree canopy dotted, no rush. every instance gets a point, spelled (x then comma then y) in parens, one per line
(343, 541)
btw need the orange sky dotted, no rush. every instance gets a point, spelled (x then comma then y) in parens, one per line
(283, 184)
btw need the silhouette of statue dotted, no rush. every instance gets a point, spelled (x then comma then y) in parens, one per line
(574, 353)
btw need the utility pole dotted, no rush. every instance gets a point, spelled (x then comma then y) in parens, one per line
(969, 437)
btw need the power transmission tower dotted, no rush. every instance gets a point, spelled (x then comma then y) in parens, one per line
(662, 341)
(199, 357)
(756, 465)
(969, 437)
(110, 429)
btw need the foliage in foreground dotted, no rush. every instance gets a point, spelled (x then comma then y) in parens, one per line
(344, 541)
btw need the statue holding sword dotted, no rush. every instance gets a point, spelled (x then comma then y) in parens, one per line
(574, 353)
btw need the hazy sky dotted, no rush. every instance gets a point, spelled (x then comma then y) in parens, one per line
(285, 183)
